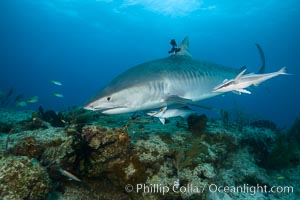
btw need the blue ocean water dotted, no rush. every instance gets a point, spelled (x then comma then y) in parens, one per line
(85, 44)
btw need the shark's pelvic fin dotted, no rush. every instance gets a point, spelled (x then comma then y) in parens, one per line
(184, 48)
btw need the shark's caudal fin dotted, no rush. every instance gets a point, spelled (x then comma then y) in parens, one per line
(262, 58)
(184, 48)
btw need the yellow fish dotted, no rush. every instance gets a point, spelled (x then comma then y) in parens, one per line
(21, 103)
(280, 177)
(56, 82)
(58, 95)
(33, 99)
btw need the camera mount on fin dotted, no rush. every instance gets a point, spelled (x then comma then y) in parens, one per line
(175, 49)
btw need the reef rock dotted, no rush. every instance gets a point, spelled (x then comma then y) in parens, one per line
(106, 152)
(22, 178)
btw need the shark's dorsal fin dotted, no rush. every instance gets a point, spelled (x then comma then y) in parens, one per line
(240, 74)
(184, 48)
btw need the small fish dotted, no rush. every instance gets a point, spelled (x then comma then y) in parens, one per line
(280, 177)
(58, 95)
(33, 99)
(241, 82)
(69, 175)
(56, 82)
(165, 113)
(21, 103)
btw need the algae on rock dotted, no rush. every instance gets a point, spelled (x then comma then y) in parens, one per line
(22, 178)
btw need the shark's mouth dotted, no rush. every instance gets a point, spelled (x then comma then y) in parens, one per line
(110, 110)
(115, 110)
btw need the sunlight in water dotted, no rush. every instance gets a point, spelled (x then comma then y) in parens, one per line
(167, 7)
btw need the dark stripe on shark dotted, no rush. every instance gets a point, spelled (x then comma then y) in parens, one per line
(157, 88)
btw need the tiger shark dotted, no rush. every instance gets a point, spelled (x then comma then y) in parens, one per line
(177, 80)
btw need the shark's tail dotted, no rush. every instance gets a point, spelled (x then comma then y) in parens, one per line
(262, 58)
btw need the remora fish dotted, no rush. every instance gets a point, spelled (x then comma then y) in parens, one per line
(177, 79)
(69, 175)
(244, 81)
(165, 113)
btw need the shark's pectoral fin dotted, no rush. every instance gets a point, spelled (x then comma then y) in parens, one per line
(178, 99)
(243, 91)
(184, 101)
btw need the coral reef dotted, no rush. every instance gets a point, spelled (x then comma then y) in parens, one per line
(5, 128)
(22, 178)
(56, 120)
(264, 124)
(94, 156)
(9, 116)
(152, 149)
(284, 153)
(294, 131)
(105, 152)
(241, 169)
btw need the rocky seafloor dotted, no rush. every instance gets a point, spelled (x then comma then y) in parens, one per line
(78, 154)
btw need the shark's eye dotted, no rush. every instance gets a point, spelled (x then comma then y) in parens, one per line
(108, 98)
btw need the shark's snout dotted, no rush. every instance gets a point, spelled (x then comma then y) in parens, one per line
(89, 108)
(105, 109)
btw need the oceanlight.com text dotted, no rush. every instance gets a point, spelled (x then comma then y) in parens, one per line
(193, 189)
(246, 188)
